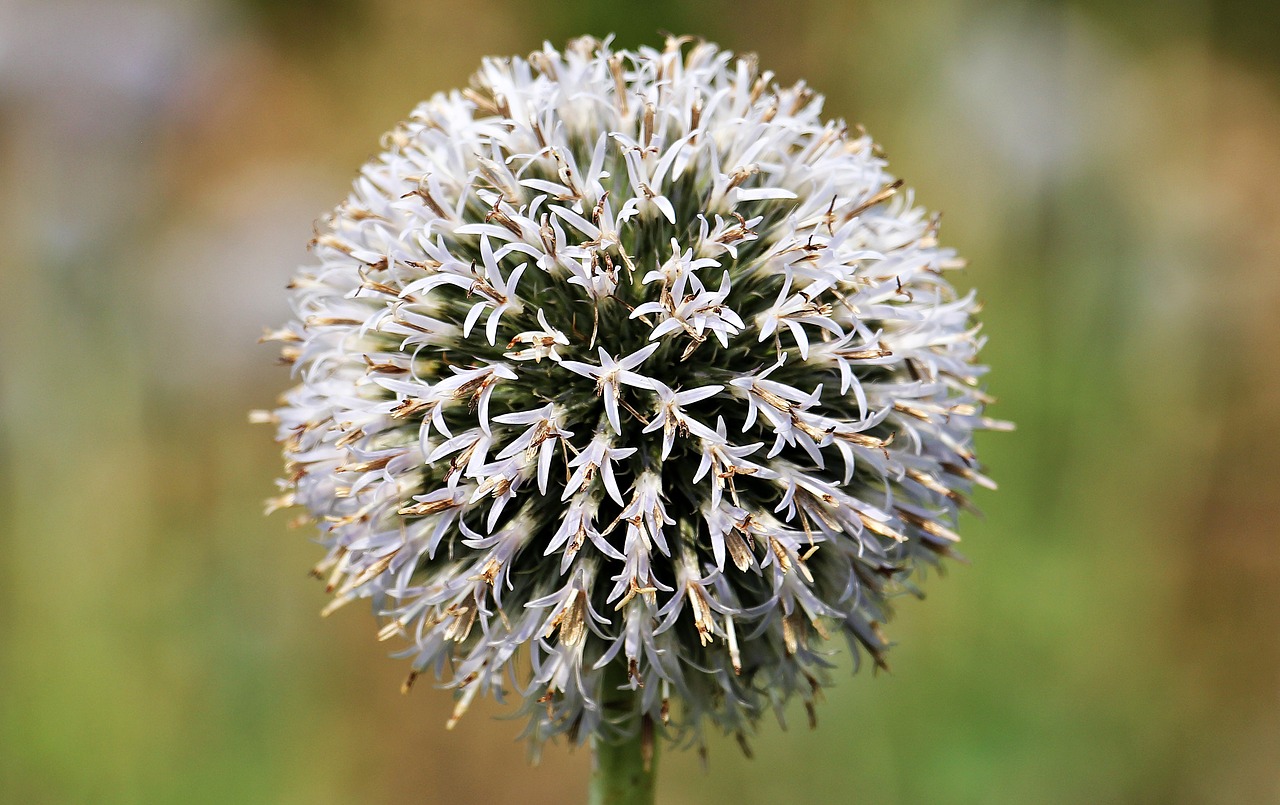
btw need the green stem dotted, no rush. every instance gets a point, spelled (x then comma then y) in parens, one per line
(622, 770)
(619, 775)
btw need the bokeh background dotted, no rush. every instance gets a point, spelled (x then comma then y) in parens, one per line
(1112, 171)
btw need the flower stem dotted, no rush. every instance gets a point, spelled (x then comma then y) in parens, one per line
(623, 769)
(620, 774)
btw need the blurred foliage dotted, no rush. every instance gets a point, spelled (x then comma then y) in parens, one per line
(1110, 171)
(306, 29)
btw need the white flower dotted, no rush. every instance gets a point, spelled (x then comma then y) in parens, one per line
(629, 362)
(495, 291)
(795, 310)
(672, 420)
(598, 457)
(542, 342)
(540, 439)
(611, 374)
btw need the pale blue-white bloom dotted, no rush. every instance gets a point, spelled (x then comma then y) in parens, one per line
(629, 370)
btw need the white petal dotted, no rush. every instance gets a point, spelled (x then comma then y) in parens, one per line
(472, 316)
(762, 193)
(611, 407)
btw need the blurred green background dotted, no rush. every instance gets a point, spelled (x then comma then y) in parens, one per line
(1112, 171)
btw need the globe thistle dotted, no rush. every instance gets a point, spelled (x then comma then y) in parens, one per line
(627, 383)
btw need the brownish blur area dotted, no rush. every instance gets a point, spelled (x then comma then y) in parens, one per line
(1112, 172)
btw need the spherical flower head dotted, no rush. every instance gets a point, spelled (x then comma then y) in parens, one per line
(628, 371)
